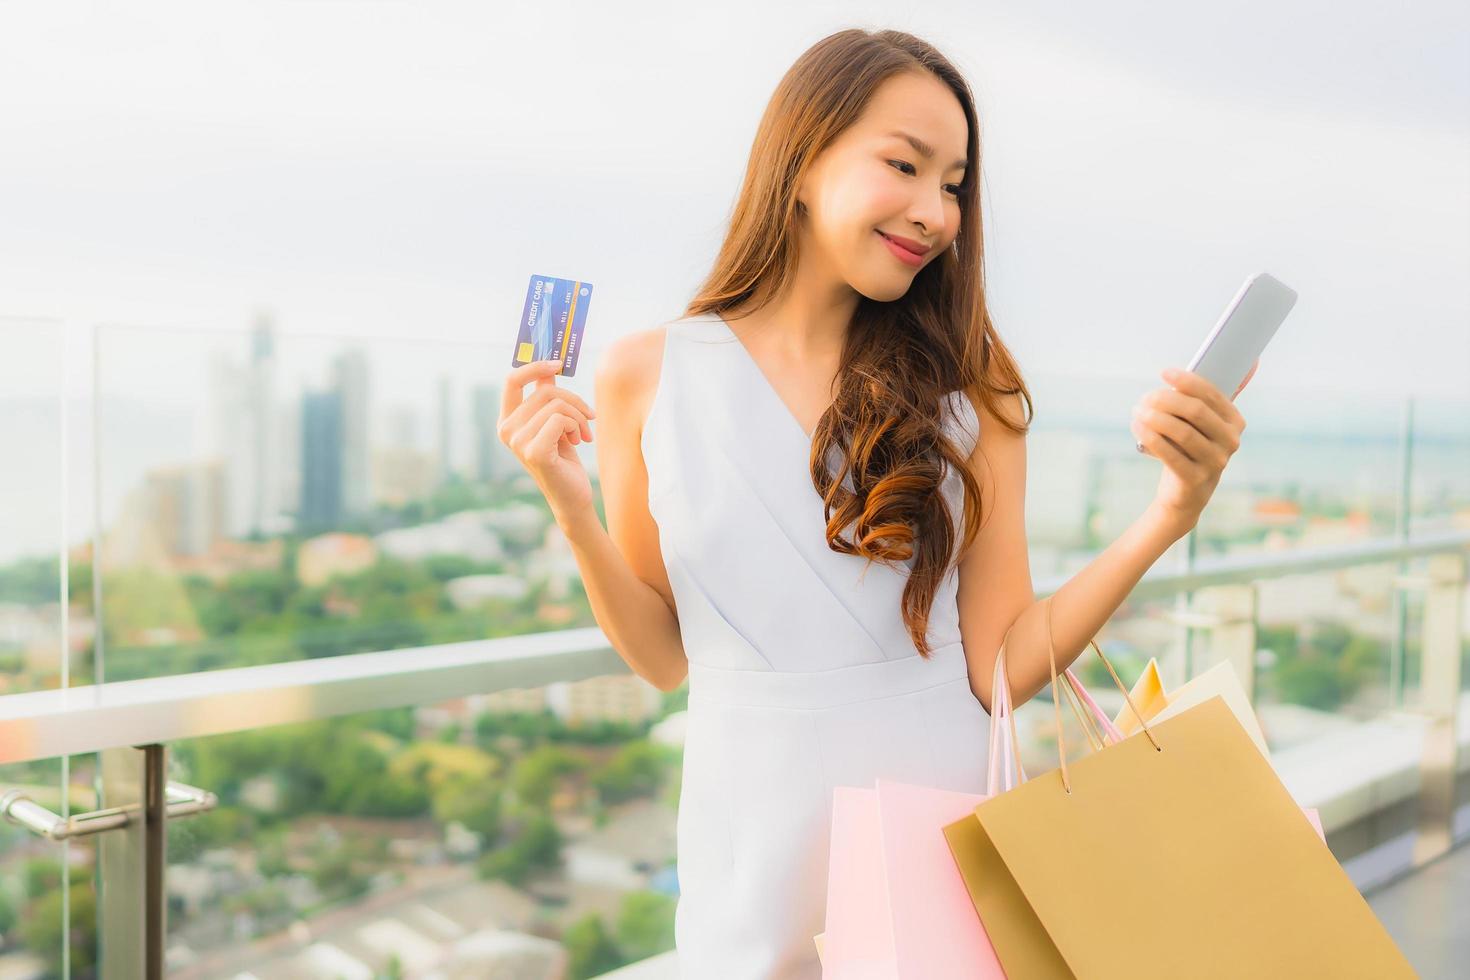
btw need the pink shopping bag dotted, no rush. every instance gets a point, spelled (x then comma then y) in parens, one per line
(896, 904)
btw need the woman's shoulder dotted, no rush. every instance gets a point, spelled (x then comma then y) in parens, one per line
(628, 371)
(631, 369)
(1003, 409)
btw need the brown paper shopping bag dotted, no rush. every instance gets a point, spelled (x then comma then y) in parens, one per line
(1182, 834)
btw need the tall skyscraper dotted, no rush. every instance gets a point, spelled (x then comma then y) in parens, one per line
(265, 500)
(446, 431)
(244, 432)
(489, 450)
(350, 379)
(321, 460)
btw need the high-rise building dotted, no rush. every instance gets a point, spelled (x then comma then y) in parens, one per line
(350, 380)
(321, 460)
(265, 499)
(445, 446)
(491, 454)
(177, 512)
(245, 435)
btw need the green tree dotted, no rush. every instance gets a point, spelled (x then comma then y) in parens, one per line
(590, 950)
(42, 929)
(7, 909)
(536, 773)
(646, 924)
(542, 842)
(335, 875)
(474, 803)
(1314, 681)
(637, 769)
(537, 846)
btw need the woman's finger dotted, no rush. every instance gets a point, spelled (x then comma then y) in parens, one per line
(535, 408)
(576, 400)
(572, 398)
(1246, 380)
(1202, 388)
(1188, 422)
(516, 381)
(1185, 436)
(548, 435)
(537, 421)
(1195, 411)
(1169, 454)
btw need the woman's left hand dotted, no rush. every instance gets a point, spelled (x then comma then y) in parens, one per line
(1194, 430)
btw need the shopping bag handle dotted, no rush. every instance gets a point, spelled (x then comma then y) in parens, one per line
(1002, 729)
(1004, 743)
(1096, 736)
(1100, 723)
(1003, 685)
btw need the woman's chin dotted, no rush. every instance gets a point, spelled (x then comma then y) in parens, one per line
(886, 288)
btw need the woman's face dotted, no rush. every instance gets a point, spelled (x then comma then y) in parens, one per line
(870, 183)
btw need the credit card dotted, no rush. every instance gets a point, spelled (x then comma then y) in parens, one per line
(552, 322)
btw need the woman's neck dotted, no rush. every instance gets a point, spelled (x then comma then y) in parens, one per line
(806, 324)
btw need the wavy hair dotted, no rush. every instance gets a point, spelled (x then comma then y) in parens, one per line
(900, 359)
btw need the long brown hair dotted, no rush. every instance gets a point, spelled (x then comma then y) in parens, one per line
(900, 360)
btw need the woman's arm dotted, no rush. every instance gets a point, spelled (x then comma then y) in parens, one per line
(638, 622)
(1081, 606)
(622, 567)
(1190, 426)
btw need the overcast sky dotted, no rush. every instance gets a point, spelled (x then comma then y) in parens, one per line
(400, 169)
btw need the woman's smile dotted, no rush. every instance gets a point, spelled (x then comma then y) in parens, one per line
(902, 254)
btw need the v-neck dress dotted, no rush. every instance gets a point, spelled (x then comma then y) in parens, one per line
(802, 676)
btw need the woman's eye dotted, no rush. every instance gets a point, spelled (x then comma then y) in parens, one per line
(904, 163)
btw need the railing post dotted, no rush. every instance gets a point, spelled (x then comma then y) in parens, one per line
(130, 901)
(1185, 601)
(1403, 516)
(1439, 696)
(1229, 613)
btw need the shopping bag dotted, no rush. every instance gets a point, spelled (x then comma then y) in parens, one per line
(1156, 704)
(1182, 833)
(858, 941)
(1147, 696)
(896, 904)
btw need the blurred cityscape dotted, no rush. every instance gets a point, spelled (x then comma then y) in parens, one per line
(298, 506)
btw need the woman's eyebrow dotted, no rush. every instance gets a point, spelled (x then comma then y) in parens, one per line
(924, 149)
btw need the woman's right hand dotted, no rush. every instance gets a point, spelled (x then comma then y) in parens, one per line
(543, 430)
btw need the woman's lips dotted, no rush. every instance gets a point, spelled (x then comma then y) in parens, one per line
(901, 253)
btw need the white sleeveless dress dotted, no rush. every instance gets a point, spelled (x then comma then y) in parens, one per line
(802, 676)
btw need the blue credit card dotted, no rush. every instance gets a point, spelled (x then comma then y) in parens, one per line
(552, 322)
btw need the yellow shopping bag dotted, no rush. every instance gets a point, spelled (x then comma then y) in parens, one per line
(1235, 883)
(1156, 704)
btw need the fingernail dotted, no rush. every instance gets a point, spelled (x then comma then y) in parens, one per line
(1170, 374)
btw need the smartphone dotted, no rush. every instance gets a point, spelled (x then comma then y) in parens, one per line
(1242, 332)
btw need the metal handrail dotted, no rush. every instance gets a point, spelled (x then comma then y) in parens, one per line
(17, 807)
(78, 720)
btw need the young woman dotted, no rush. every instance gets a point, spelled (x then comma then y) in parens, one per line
(795, 473)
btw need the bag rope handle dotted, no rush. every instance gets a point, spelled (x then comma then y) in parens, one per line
(1056, 698)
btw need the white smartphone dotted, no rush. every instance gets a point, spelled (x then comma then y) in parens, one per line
(1242, 332)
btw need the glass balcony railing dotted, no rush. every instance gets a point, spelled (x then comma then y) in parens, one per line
(306, 569)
